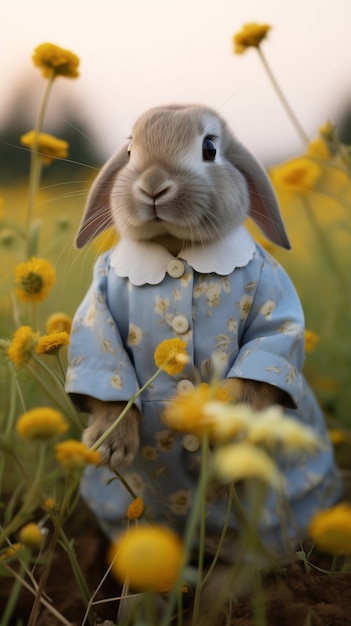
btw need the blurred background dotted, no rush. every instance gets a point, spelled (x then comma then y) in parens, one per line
(139, 53)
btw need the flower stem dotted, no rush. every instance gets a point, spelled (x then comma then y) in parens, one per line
(190, 531)
(202, 511)
(222, 537)
(28, 502)
(130, 402)
(33, 591)
(36, 160)
(68, 409)
(13, 599)
(300, 131)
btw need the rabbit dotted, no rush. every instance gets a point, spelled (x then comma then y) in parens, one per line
(178, 193)
(141, 191)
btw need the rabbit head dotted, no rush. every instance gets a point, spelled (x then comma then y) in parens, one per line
(183, 176)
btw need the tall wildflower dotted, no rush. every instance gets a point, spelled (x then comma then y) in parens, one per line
(251, 36)
(48, 146)
(331, 529)
(53, 61)
(34, 279)
(56, 61)
(22, 346)
(149, 557)
(40, 424)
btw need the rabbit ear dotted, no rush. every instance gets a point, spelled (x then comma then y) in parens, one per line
(97, 216)
(264, 208)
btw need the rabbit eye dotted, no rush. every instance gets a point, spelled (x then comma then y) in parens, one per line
(129, 149)
(208, 149)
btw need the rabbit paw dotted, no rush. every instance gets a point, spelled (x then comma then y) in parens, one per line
(122, 444)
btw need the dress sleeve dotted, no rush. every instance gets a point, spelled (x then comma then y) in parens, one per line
(272, 341)
(98, 363)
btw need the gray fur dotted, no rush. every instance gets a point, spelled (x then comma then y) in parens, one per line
(166, 192)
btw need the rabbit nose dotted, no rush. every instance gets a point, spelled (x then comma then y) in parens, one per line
(154, 184)
(155, 194)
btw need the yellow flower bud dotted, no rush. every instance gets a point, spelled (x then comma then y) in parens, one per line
(32, 536)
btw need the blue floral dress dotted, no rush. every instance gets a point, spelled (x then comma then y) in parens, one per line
(229, 299)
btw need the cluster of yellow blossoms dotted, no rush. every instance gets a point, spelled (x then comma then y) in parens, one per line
(48, 146)
(25, 343)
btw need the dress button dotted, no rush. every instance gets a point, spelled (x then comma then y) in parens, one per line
(185, 387)
(191, 443)
(175, 268)
(180, 324)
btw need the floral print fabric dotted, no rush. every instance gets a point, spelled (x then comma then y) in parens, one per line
(252, 321)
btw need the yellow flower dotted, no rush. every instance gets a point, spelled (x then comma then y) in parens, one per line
(50, 504)
(73, 454)
(170, 355)
(328, 384)
(250, 36)
(55, 61)
(48, 146)
(338, 436)
(49, 344)
(1, 208)
(311, 340)
(59, 322)
(243, 461)
(190, 412)
(149, 557)
(31, 535)
(136, 509)
(22, 346)
(271, 427)
(319, 149)
(327, 131)
(34, 279)
(224, 421)
(331, 530)
(11, 551)
(298, 175)
(40, 424)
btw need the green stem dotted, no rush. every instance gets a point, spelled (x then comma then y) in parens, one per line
(283, 99)
(202, 489)
(33, 314)
(334, 564)
(78, 574)
(60, 365)
(190, 532)
(12, 403)
(10, 418)
(36, 160)
(13, 599)
(43, 601)
(251, 536)
(258, 606)
(68, 409)
(222, 537)
(130, 402)
(29, 501)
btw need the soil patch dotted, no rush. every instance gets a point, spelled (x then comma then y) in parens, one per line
(293, 598)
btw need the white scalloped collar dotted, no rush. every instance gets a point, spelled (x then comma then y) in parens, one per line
(145, 262)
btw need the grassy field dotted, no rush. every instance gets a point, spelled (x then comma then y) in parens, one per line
(317, 217)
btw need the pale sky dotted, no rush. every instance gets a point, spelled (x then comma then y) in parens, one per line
(140, 53)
